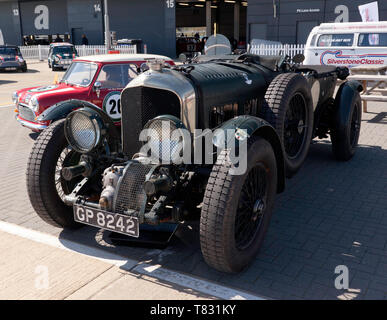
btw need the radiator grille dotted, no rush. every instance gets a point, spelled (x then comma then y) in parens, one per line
(139, 105)
(26, 113)
(131, 197)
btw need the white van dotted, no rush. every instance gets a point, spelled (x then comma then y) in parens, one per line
(347, 44)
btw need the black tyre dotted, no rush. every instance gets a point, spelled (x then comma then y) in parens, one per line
(45, 186)
(237, 209)
(346, 130)
(288, 108)
(24, 69)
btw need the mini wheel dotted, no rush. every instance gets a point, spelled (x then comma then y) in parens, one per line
(237, 209)
(288, 108)
(346, 130)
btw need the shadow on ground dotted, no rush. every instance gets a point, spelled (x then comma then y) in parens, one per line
(6, 82)
(331, 213)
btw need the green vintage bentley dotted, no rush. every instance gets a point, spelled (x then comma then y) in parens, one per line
(259, 114)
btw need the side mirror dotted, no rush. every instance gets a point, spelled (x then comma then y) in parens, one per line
(97, 88)
(182, 57)
(97, 85)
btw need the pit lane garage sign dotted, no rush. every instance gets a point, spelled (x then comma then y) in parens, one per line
(112, 105)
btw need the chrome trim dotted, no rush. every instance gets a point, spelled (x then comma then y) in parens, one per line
(29, 125)
(175, 82)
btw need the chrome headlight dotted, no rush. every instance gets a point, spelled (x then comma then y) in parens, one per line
(21, 60)
(83, 130)
(34, 103)
(56, 59)
(15, 97)
(167, 139)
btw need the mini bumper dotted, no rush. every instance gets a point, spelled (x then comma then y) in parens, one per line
(11, 64)
(31, 125)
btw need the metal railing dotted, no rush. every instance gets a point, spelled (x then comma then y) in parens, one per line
(288, 49)
(41, 52)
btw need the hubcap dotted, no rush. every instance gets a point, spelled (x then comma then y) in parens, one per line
(258, 208)
(295, 126)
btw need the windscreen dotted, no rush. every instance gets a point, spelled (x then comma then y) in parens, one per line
(80, 73)
(63, 50)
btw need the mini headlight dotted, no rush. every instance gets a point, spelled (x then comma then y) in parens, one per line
(15, 98)
(21, 60)
(167, 139)
(34, 103)
(56, 59)
(83, 130)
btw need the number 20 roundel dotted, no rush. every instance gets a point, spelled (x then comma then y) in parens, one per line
(112, 105)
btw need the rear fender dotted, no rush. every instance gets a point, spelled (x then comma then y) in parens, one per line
(254, 126)
(343, 100)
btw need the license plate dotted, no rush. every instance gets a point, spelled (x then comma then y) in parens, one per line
(9, 68)
(106, 220)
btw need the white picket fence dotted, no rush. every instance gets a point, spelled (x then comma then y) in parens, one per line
(41, 52)
(288, 49)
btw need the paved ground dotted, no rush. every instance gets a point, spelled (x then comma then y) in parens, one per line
(330, 214)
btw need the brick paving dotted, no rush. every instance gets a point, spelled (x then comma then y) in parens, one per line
(331, 214)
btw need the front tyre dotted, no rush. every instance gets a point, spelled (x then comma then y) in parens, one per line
(45, 186)
(237, 208)
(346, 130)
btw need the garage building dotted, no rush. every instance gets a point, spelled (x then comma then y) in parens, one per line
(157, 22)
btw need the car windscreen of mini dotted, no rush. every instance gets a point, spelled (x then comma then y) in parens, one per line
(63, 50)
(80, 74)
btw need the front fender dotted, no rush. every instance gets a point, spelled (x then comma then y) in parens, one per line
(343, 100)
(62, 109)
(254, 126)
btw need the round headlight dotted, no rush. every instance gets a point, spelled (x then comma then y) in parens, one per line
(167, 139)
(34, 103)
(15, 98)
(83, 130)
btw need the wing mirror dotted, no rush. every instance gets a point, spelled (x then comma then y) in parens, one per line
(97, 87)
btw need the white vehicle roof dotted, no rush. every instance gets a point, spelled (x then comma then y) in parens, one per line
(350, 27)
(122, 57)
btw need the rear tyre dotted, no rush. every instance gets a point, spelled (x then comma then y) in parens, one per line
(45, 186)
(288, 108)
(237, 208)
(346, 131)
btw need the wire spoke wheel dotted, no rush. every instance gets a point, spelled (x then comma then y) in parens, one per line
(67, 158)
(295, 126)
(251, 207)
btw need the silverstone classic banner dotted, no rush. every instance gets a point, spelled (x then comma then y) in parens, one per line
(336, 57)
